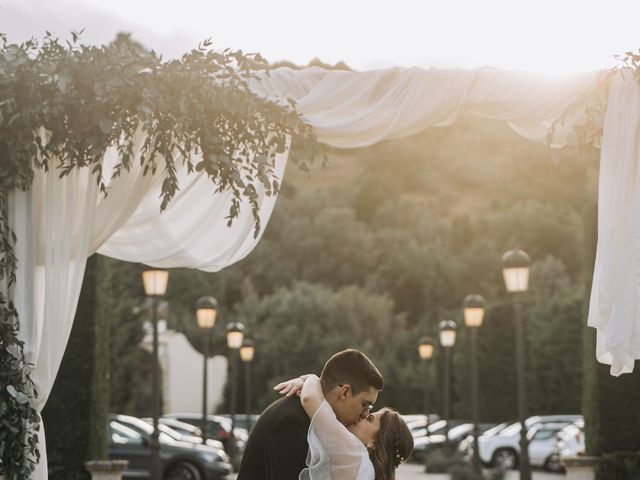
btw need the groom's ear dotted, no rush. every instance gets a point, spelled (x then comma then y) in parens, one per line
(344, 391)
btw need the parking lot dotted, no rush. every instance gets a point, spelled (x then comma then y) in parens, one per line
(412, 471)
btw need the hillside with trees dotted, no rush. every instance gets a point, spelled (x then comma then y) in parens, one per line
(374, 250)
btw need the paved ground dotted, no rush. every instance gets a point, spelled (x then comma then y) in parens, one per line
(412, 471)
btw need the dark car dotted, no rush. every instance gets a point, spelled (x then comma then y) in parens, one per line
(424, 445)
(130, 439)
(185, 432)
(242, 420)
(218, 428)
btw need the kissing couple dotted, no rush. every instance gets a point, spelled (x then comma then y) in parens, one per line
(324, 429)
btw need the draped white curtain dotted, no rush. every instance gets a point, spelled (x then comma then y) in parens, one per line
(356, 109)
(351, 109)
(614, 309)
(60, 222)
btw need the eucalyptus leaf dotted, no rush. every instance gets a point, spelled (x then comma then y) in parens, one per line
(12, 391)
(106, 125)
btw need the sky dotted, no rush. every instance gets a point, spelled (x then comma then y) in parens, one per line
(554, 37)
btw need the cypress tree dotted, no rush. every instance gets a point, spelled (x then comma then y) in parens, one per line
(75, 415)
(610, 404)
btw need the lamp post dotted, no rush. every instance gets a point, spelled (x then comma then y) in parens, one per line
(155, 286)
(447, 332)
(235, 335)
(515, 269)
(247, 350)
(473, 317)
(206, 313)
(425, 351)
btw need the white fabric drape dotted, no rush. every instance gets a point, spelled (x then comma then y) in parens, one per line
(352, 109)
(356, 109)
(62, 221)
(51, 224)
(614, 309)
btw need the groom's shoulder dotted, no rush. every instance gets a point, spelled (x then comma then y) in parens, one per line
(284, 409)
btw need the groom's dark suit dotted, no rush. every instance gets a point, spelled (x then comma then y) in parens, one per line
(277, 447)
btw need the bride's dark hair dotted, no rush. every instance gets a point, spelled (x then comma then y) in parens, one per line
(392, 445)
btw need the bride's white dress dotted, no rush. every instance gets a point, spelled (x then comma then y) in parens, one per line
(334, 452)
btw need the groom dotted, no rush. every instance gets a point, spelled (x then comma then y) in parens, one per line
(277, 447)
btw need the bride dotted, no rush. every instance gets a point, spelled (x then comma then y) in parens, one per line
(370, 449)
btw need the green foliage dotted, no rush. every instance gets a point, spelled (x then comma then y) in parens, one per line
(130, 385)
(62, 105)
(590, 369)
(624, 465)
(419, 222)
(610, 403)
(19, 422)
(347, 317)
(76, 412)
(197, 111)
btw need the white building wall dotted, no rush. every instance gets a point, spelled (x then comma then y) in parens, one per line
(182, 367)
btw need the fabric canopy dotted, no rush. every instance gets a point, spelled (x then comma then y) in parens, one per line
(60, 222)
(352, 109)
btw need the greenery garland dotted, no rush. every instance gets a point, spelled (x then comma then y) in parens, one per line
(593, 104)
(63, 104)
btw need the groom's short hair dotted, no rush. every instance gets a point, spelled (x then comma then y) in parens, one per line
(350, 367)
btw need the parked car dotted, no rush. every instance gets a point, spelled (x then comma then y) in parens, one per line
(130, 439)
(218, 428)
(423, 445)
(418, 428)
(243, 421)
(465, 447)
(184, 432)
(569, 443)
(503, 448)
(420, 417)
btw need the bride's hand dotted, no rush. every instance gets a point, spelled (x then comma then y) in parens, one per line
(290, 387)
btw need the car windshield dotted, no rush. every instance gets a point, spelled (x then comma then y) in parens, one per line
(145, 428)
(545, 433)
(183, 427)
(512, 429)
(494, 430)
(123, 435)
(437, 427)
(171, 432)
(460, 430)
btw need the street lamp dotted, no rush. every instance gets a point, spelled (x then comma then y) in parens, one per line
(155, 286)
(247, 350)
(425, 351)
(206, 313)
(515, 269)
(473, 317)
(235, 335)
(447, 332)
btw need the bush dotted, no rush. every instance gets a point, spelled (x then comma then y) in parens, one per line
(464, 472)
(621, 466)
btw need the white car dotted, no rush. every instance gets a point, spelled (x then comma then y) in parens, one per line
(423, 445)
(503, 448)
(569, 443)
(465, 447)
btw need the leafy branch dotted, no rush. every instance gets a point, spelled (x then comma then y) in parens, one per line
(63, 104)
